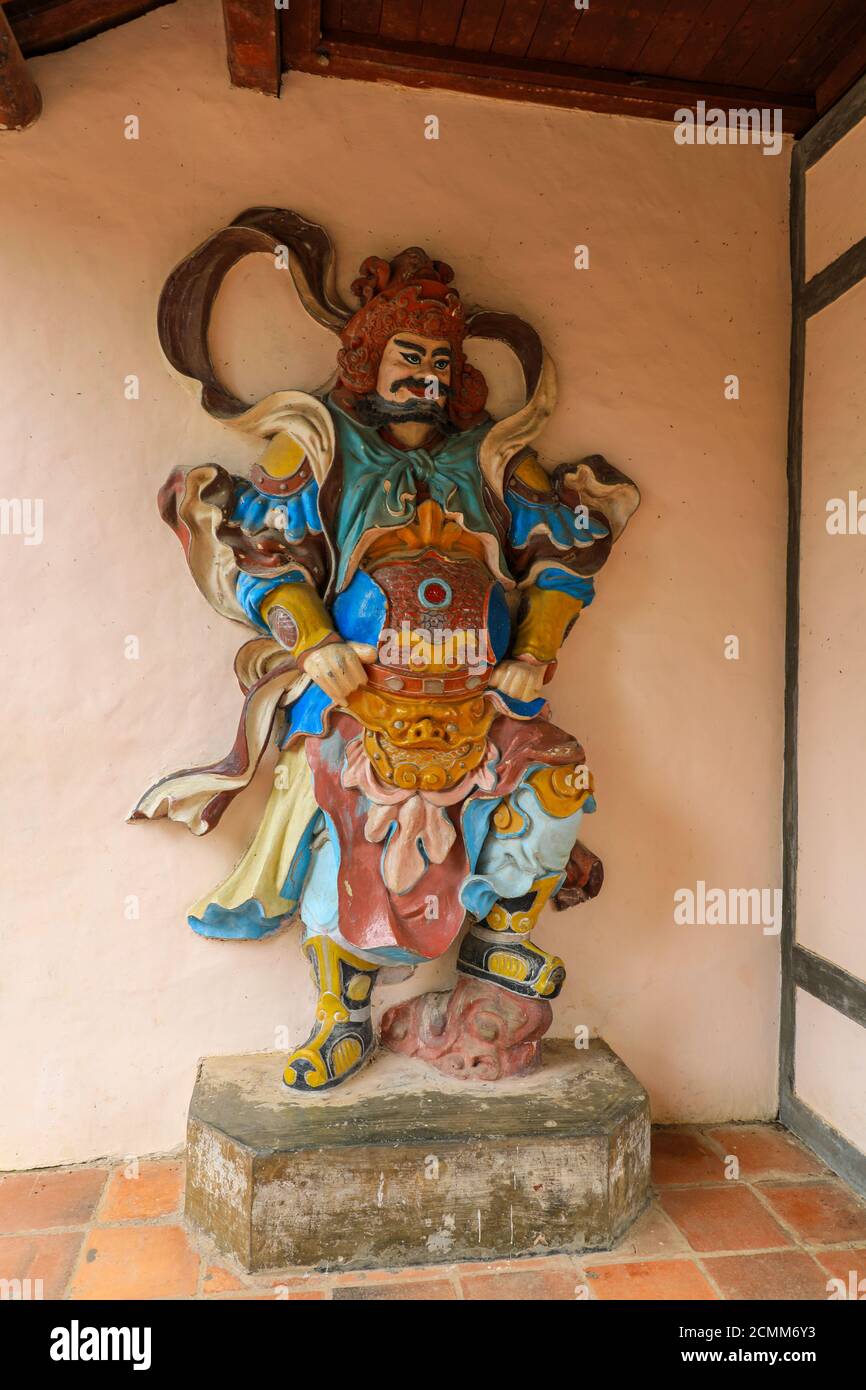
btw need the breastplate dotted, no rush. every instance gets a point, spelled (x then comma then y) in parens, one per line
(435, 629)
(423, 709)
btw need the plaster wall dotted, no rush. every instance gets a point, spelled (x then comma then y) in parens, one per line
(836, 200)
(830, 1065)
(105, 1012)
(830, 1070)
(831, 874)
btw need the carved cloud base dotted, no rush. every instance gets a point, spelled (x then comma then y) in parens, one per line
(406, 1166)
(477, 1032)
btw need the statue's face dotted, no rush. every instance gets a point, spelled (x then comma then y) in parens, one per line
(415, 369)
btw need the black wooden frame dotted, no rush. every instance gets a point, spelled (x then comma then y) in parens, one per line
(801, 968)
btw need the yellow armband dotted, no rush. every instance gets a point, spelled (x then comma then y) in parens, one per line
(547, 616)
(308, 622)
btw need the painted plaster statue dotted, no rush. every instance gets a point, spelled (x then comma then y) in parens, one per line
(407, 570)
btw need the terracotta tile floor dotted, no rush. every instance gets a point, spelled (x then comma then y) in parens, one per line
(738, 1212)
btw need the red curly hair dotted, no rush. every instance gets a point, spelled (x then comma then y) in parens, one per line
(409, 294)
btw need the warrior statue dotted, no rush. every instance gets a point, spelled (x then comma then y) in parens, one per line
(409, 569)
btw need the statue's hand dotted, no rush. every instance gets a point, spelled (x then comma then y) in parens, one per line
(336, 668)
(520, 679)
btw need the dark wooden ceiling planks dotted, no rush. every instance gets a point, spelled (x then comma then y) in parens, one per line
(361, 16)
(557, 22)
(678, 20)
(637, 57)
(478, 24)
(829, 22)
(439, 22)
(694, 55)
(757, 31)
(592, 38)
(850, 65)
(773, 52)
(400, 20)
(623, 50)
(769, 33)
(516, 27)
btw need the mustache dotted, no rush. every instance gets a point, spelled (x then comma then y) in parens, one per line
(422, 383)
(374, 410)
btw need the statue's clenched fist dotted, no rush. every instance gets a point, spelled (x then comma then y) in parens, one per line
(519, 679)
(336, 668)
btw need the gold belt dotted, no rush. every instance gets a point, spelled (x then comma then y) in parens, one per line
(424, 743)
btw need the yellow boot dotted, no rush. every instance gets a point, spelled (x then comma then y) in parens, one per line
(342, 1037)
(499, 949)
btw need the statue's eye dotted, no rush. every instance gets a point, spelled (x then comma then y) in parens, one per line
(442, 365)
(412, 358)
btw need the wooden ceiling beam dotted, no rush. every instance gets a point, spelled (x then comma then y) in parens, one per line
(20, 99)
(550, 84)
(253, 45)
(44, 27)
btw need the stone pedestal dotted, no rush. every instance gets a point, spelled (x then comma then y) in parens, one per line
(405, 1166)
